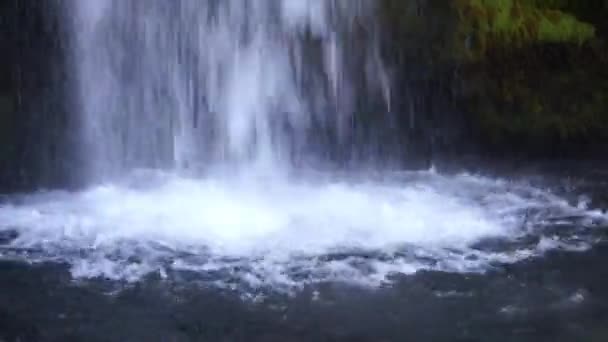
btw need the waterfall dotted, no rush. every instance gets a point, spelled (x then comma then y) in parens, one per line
(195, 118)
(190, 84)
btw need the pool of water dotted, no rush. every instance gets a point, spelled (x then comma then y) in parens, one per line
(382, 257)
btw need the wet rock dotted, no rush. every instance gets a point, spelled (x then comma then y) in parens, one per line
(521, 77)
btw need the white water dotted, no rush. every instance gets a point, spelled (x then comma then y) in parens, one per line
(233, 85)
(187, 84)
(286, 234)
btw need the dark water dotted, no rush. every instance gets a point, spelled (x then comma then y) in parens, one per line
(562, 296)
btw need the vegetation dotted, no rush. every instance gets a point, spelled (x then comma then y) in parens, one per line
(500, 24)
(529, 74)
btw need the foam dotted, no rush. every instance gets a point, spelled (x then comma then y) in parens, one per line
(280, 233)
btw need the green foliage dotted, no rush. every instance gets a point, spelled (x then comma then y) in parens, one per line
(456, 31)
(538, 104)
(504, 24)
(529, 71)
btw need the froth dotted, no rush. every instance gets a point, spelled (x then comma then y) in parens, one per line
(283, 233)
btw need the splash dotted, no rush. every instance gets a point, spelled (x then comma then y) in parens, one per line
(223, 101)
(287, 234)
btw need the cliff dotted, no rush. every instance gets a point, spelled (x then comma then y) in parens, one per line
(525, 77)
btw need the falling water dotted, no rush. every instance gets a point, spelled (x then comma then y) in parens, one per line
(188, 84)
(182, 88)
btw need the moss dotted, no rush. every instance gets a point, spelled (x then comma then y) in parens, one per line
(440, 31)
(565, 107)
(528, 72)
(505, 24)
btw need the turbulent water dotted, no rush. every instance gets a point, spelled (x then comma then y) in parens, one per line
(225, 200)
(198, 119)
(260, 233)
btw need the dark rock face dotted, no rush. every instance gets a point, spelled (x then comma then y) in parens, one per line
(508, 77)
(34, 122)
(549, 100)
